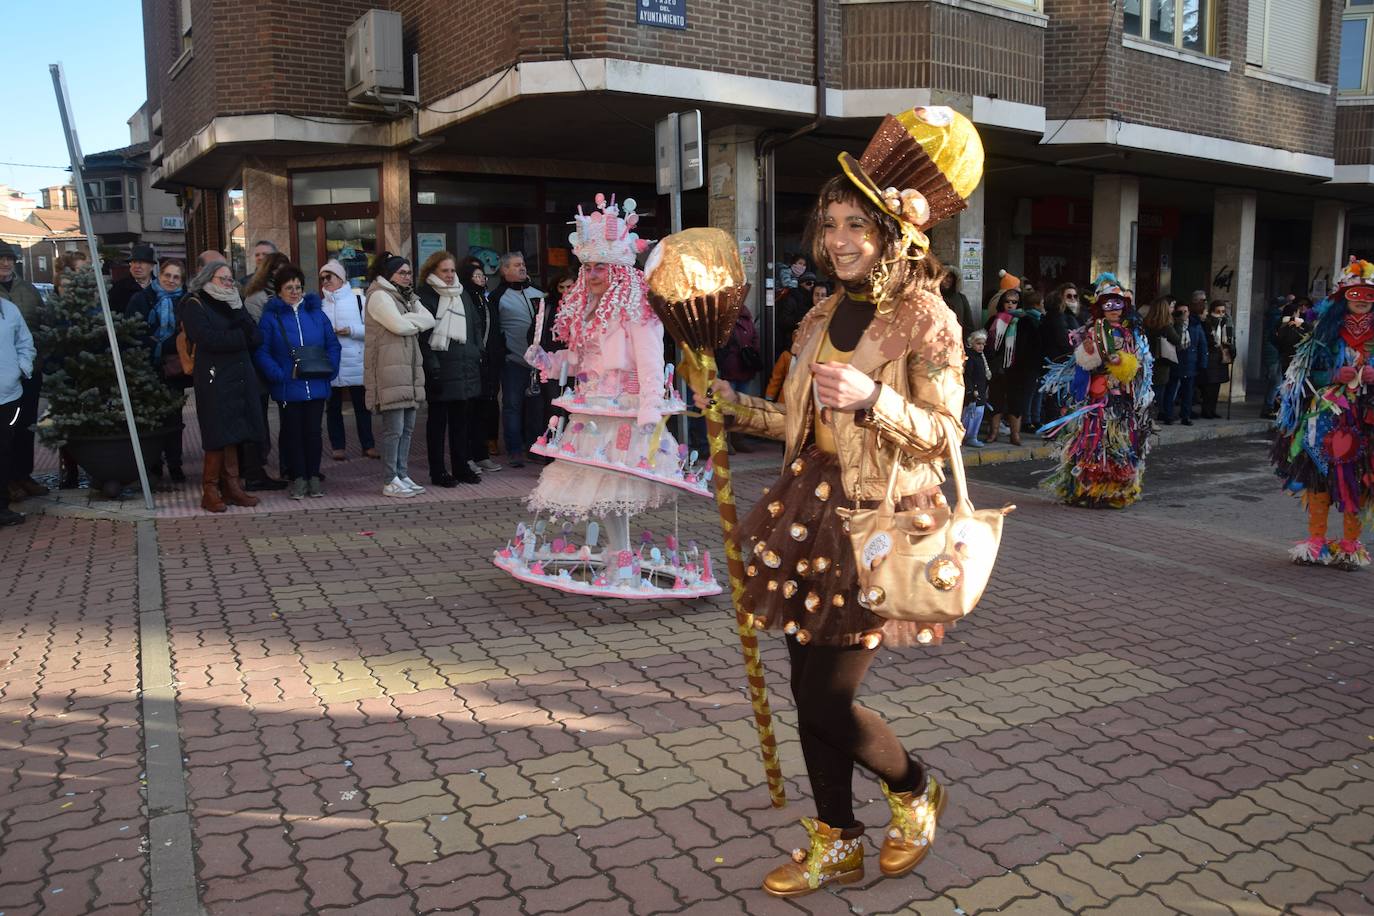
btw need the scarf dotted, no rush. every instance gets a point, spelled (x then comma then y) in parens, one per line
(450, 318)
(1358, 330)
(229, 296)
(165, 310)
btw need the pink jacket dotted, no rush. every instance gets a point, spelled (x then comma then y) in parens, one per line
(628, 353)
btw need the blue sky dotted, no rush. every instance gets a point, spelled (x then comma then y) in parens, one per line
(100, 46)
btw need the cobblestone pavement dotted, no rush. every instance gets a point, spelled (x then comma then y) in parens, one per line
(1143, 719)
(72, 817)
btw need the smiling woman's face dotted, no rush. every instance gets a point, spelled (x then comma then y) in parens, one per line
(851, 240)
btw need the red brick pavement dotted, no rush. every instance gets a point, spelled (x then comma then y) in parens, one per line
(72, 817)
(375, 720)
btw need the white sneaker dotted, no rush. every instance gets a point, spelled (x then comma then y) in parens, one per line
(411, 485)
(474, 467)
(486, 464)
(397, 489)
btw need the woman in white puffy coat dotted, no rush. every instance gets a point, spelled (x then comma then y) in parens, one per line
(344, 308)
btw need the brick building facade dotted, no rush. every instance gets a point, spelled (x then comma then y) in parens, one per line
(1213, 151)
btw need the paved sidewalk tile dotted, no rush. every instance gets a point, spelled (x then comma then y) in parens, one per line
(375, 720)
(73, 826)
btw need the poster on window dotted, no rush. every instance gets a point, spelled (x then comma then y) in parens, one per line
(971, 260)
(427, 243)
(663, 14)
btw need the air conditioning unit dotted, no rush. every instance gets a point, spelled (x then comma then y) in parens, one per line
(374, 59)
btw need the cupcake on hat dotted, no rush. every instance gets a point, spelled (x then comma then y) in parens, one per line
(920, 168)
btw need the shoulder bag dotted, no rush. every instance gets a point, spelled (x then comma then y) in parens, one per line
(924, 565)
(308, 362)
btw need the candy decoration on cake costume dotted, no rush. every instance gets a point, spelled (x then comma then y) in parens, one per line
(1103, 437)
(696, 283)
(1324, 451)
(888, 333)
(613, 455)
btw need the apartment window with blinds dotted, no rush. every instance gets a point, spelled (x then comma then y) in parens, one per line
(1281, 37)
(1183, 24)
(1356, 29)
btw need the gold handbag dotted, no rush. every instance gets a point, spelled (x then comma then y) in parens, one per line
(924, 565)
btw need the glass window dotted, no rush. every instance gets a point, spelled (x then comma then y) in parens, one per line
(106, 195)
(234, 231)
(342, 186)
(1162, 25)
(1354, 43)
(1133, 21)
(1195, 25)
(306, 237)
(133, 194)
(1180, 23)
(438, 190)
(351, 242)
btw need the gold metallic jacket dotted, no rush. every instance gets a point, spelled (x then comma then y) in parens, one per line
(916, 354)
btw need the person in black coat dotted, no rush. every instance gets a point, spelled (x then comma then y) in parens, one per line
(1221, 352)
(223, 337)
(452, 354)
(473, 276)
(977, 375)
(142, 262)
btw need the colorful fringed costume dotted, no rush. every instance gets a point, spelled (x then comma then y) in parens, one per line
(1324, 450)
(1103, 437)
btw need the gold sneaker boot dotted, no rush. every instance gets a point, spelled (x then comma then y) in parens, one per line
(830, 858)
(912, 831)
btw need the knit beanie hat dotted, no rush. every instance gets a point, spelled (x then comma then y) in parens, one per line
(1008, 281)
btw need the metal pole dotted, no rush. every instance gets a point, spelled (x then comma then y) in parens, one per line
(675, 224)
(59, 84)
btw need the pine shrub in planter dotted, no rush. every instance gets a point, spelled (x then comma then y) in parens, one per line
(82, 391)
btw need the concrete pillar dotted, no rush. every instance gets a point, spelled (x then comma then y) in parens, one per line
(733, 200)
(1328, 255)
(1116, 210)
(395, 222)
(949, 242)
(267, 211)
(1233, 266)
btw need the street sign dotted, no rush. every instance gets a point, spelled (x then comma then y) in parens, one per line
(663, 14)
(666, 155)
(680, 164)
(691, 161)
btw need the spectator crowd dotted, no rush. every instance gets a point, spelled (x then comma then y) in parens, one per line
(442, 334)
(447, 335)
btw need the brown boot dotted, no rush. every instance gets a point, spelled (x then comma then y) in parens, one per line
(234, 493)
(830, 857)
(996, 428)
(210, 498)
(1015, 437)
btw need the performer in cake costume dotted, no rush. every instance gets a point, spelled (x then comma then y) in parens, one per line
(1102, 439)
(1325, 446)
(614, 457)
(873, 398)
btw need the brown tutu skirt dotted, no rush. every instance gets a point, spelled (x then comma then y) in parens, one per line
(800, 572)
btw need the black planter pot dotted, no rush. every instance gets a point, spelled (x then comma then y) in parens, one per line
(109, 460)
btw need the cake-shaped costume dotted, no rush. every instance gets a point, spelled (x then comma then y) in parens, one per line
(1103, 438)
(1325, 446)
(613, 454)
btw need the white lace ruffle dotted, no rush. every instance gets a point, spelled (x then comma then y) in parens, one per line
(578, 492)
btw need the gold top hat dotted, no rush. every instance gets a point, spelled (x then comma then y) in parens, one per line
(920, 167)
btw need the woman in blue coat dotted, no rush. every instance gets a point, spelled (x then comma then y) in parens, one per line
(291, 320)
